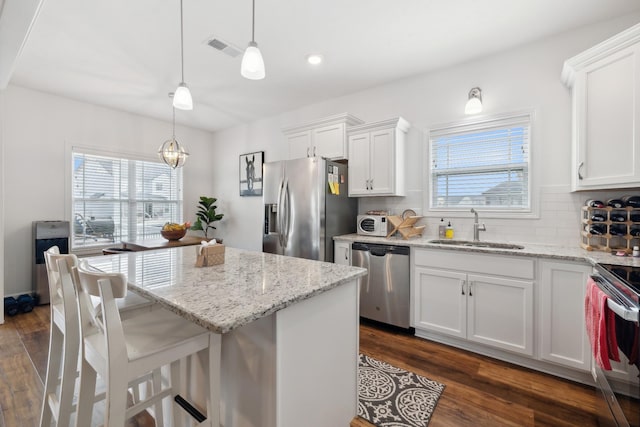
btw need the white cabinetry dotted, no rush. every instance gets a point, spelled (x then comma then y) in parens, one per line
(562, 333)
(486, 299)
(605, 83)
(377, 158)
(324, 137)
(342, 253)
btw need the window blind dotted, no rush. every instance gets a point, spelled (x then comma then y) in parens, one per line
(483, 164)
(118, 199)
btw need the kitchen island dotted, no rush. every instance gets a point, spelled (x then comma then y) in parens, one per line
(288, 327)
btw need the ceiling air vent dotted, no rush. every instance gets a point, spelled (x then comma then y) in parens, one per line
(224, 46)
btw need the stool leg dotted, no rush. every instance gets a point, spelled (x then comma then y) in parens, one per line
(157, 387)
(177, 412)
(213, 396)
(53, 373)
(116, 400)
(68, 380)
(86, 395)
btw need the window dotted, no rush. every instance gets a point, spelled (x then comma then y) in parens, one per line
(118, 199)
(482, 164)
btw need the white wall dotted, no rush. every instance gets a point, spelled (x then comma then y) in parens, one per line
(2, 168)
(39, 128)
(523, 78)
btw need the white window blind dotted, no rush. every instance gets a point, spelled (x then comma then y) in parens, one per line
(117, 199)
(482, 164)
(151, 270)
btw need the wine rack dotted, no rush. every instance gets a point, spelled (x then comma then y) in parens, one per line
(608, 242)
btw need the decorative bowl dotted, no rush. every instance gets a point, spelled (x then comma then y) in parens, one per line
(173, 234)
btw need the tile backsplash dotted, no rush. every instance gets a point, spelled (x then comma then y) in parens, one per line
(558, 222)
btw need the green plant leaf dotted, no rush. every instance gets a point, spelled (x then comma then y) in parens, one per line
(206, 214)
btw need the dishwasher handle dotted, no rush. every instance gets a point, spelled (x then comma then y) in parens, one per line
(359, 247)
(378, 251)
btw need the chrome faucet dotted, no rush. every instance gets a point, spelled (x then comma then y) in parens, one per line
(477, 228)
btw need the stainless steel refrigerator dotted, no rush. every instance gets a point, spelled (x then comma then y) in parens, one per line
(305, 206)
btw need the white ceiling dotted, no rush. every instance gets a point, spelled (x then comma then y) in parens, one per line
(125, 54)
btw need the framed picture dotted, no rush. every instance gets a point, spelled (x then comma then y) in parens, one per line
(251, 173)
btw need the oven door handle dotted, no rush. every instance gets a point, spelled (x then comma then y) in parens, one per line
(631, 314)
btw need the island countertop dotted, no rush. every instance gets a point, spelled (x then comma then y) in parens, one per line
(248, 286)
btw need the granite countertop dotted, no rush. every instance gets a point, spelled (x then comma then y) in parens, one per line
(248, 286)
(567, 253)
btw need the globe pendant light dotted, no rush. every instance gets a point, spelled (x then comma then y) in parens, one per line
(252, 63)
(182, 97)
(171, 151)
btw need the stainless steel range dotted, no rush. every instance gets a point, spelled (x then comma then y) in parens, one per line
(620, 385)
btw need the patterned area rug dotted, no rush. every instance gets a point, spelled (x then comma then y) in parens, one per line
(392, 397)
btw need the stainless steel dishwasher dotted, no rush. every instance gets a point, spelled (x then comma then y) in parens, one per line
(384, 292)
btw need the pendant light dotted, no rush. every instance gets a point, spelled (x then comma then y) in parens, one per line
(252, 63)
(171, 151)
(474, 104)
(182, 97)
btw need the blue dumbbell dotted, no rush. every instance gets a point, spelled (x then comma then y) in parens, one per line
(11, 306)
(25, 303)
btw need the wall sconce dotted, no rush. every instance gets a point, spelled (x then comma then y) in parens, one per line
(474, 104)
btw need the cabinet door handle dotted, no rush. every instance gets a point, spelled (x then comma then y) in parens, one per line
(367, 184)
(307, 151)
(470, 293)
(314, 151)
(371, 184)
(580, 177)
(462, 287)
(346, 254)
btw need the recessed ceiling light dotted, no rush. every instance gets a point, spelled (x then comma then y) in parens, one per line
(314, 59)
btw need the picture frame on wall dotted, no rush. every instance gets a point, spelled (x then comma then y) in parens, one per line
(251, 173)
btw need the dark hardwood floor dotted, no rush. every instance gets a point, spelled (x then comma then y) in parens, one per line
(479, 391)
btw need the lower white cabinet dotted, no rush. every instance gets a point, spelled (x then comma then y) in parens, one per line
(441, 305)
(478, 303)
(562, 332)
(342, 253)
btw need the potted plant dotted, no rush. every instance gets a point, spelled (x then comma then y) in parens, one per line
(206, 215)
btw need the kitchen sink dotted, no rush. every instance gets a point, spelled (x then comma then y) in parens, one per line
(469, 243)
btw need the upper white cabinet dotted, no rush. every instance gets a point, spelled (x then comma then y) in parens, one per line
(469, 296)
(377, 158)
(324, 137)
(605, 84)
(562, 332)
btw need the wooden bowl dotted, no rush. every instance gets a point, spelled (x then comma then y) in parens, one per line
(173, 234)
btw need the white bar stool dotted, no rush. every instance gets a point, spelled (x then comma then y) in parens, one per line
(64, 341)
(122, 350)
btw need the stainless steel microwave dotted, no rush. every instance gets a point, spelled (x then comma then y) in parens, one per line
(372, 225)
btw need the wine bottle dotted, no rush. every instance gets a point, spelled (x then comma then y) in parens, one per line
(594, 203)
(617, 230)
(615, 203)
(595, 229)
(596, 217)
(631, 201)
(617, 217)
(635, 232)
(635, 217)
